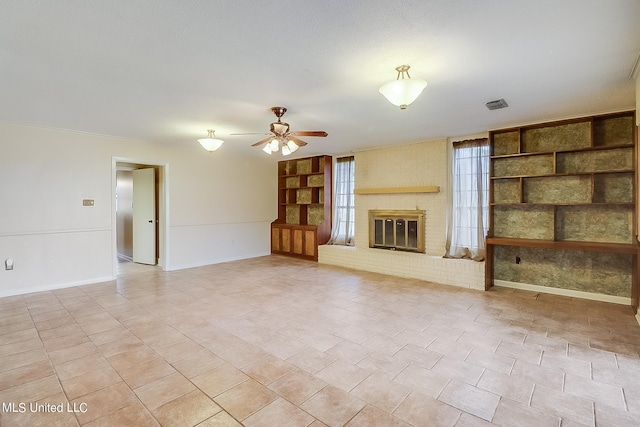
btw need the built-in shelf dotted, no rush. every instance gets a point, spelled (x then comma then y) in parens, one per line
(542, 153)
(398, 190)
(621, 248)
(607, 172)
(304, 207)
(622, 204)
(562, 200)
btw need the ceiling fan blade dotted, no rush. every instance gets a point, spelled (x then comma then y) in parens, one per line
(298, 141)
(309, 133)
(262, 141)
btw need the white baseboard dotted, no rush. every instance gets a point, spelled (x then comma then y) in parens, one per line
(216, 261)
(33, 289)
(564, 292)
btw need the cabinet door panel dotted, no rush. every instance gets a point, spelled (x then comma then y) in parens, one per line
(275, 239)
(297, 241)
(286, 240)
(310, 243)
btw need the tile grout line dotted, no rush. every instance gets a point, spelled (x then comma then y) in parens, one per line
(533, 390)
(624, 399)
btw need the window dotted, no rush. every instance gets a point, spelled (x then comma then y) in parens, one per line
(469, 210)
(344, 203)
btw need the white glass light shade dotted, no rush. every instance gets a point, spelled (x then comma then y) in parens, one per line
(274, 145)
(267, 149)
(285, 150)
(292, 146)
(211, 143)
(403, 92)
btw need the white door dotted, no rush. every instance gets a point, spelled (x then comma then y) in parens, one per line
(144, 216)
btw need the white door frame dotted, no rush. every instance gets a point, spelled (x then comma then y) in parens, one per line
(163, 211)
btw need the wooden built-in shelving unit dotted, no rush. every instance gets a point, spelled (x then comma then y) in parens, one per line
(304, 207)
(566, 186)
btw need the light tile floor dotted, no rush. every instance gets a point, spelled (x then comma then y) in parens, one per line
(274, 341)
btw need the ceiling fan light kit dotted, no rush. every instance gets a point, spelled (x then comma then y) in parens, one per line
(285, 150)
(267, 149)
(211, 143)
(292, 146)
(403, 91)
(286, 147)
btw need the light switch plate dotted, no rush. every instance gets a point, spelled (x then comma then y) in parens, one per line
(8, 264)
(88, 202)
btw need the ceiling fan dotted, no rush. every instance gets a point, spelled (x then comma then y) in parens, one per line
(281, 137)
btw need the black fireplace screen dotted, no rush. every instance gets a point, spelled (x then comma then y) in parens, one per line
(397, 230)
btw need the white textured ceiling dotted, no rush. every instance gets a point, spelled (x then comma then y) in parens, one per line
(165, 71)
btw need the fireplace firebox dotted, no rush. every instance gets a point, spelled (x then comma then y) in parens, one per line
(401, 230)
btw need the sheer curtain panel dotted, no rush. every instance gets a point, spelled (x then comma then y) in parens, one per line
(344, 203)
(467, 220)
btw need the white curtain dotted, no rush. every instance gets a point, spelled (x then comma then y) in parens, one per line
(344, 203)
(468, 214)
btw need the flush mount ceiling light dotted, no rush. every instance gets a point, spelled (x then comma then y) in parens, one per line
(211, 143)
(403, 91)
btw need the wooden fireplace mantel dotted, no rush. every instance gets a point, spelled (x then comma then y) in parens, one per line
(398, 190)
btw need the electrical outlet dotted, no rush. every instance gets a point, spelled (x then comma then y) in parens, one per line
(88, 202)
(518, 260)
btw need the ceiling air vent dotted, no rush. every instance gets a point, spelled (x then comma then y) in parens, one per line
(496, 105)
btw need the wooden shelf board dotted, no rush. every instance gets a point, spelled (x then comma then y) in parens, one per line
(566, 204)
(625, 248)
(510, 156)
(398, 190)
(300, 174)
(301, 226)
(569, 150)
(558, 175)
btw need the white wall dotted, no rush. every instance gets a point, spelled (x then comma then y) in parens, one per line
(412, 165)
(219, 205)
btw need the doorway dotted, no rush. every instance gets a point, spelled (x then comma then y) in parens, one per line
(139, 215)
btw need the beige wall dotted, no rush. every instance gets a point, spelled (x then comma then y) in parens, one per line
(219, 206)
(413, 165)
